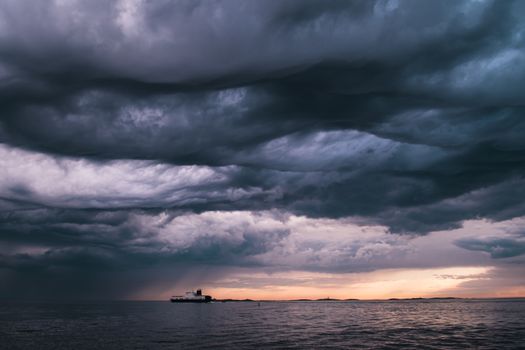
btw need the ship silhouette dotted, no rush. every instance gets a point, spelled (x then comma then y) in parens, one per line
(191, 297)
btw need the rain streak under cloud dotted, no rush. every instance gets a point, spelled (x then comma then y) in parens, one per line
(286, 148)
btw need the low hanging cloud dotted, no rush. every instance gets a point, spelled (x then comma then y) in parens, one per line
(403, 115)
(267, 238)
(503, 246)
(122, 250)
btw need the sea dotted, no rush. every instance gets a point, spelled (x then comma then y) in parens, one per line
(404, 324)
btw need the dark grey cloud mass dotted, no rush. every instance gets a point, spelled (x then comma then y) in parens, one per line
(508, 246)
(406, 114)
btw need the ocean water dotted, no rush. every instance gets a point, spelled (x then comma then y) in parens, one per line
(437, 324)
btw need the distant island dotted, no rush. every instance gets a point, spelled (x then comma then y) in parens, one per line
(433, 298)
(333, 299)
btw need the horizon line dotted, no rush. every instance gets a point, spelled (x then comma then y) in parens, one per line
(6, 299)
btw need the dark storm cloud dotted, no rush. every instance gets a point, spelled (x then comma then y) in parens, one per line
(508, 246)
(402, 103)
(97, 254)
(407, 114)
(133, 232)
(497, 247)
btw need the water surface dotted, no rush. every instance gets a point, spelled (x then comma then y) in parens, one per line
(442, 324)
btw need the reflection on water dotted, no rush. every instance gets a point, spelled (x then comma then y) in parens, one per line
(450, 324)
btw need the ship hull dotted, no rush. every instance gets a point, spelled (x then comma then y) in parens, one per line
(198, 301)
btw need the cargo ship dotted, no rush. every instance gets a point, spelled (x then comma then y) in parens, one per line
(191, 297)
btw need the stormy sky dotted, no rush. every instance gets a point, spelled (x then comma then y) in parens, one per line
(262, 148)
